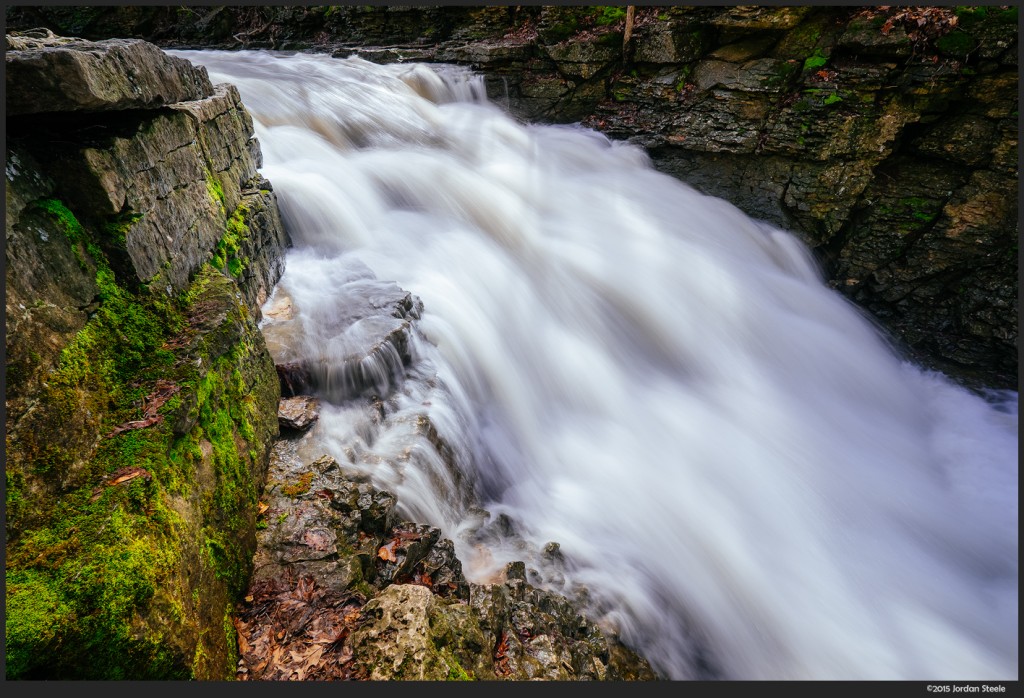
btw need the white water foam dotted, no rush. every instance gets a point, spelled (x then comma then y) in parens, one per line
(747, 480)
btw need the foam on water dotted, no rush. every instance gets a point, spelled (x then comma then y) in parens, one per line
(747, 480)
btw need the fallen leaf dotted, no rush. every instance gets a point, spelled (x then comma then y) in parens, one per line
(137, 424)
(387, 552)
(137, 472)
(154, 401)
(313, 658)
(261, 509)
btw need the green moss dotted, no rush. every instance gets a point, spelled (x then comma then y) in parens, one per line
(609, 14)
(37, 615)
(783, 74)
(956, 43)
(832, 99)
(969, 16)
(76, 584)
(216, 190)
(920, 209)
(123, 337)
(66, 222)
(455, 670)
(300, 486)
(65, 219)
(231, 636)
(226, 253)
(562, 29)
(223, 413)
(78, 577)
(117, 227)
(815, 61)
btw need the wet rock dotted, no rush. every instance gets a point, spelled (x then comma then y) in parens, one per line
(358, 346)
(752, 18)
(863, 35)
(298, 413)
(111, 189)
(669, 42)
(583, 59)
(50, 284)
(421, 619)
(396, 640)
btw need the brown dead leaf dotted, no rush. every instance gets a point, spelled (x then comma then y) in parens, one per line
(131, 475)
(262, 509)
(501, 660)
(164, 389)
(387, 552)
(137, 424)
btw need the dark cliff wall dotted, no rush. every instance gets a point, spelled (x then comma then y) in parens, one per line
(885, 138)
(141, 399)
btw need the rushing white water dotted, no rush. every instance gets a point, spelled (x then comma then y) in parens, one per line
(745, 477)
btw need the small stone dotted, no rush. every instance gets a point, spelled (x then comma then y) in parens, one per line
(299, 412)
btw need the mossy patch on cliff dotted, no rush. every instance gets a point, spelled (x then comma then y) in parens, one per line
(226, 255)
(104, 543)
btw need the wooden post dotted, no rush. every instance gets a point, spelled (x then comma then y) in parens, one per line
(627, 36)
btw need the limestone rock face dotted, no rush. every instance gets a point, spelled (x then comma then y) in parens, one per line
(46, 73)
(174, 180)
(141, 398)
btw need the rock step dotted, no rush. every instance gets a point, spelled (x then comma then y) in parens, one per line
(48, 73)
(357, 346)
(343, 589)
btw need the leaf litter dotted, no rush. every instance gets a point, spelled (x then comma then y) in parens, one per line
(294, 630)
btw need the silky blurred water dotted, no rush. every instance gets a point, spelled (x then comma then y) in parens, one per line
(745, 478)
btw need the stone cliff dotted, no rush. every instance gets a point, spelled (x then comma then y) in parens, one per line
(141, 399)
(885, 137)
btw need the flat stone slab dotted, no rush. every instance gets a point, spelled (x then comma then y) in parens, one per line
(46, 74)
(299, 412)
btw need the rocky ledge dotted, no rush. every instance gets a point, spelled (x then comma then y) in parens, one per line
(345, 590)
(141, 398)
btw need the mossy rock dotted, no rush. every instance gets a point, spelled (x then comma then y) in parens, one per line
(151, 537)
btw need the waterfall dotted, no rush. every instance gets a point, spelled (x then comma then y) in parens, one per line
(741, 476)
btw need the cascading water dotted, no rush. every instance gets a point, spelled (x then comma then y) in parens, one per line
(747, 480)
